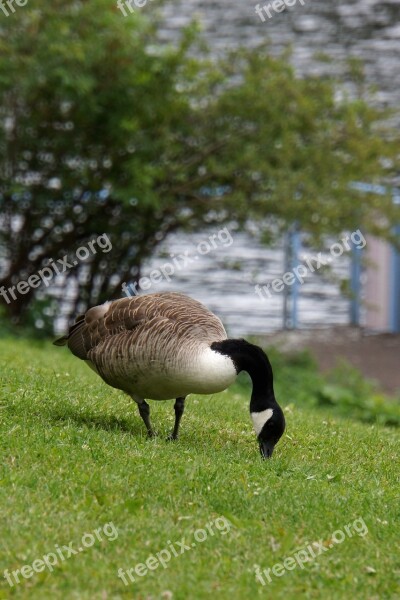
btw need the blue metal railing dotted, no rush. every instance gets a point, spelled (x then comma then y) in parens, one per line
(291, 298)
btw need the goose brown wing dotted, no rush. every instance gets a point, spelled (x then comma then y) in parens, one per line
(93, 327)
(172, 316)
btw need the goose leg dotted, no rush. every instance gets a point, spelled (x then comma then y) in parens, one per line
(179, 407)
(144, 410)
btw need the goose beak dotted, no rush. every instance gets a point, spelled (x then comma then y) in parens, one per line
(266, 449)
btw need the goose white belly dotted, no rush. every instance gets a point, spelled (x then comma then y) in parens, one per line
(202, 372)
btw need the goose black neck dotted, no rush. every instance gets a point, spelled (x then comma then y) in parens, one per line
(251, 358)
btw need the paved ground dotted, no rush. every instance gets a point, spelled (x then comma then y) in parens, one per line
(376, 355)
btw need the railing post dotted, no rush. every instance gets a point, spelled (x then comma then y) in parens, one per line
(394, 291)
(355, 285)
(291, 293)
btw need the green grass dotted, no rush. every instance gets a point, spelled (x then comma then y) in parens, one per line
(75, 457)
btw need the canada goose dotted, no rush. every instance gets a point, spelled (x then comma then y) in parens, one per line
(167, 345)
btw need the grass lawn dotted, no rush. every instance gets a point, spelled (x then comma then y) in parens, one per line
(76, 460)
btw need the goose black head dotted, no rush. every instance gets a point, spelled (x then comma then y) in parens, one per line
(266, 414)
(272, 423)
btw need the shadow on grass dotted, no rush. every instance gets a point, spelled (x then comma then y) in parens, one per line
(105, 422)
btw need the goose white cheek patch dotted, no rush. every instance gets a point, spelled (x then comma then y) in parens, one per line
(259, 419)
